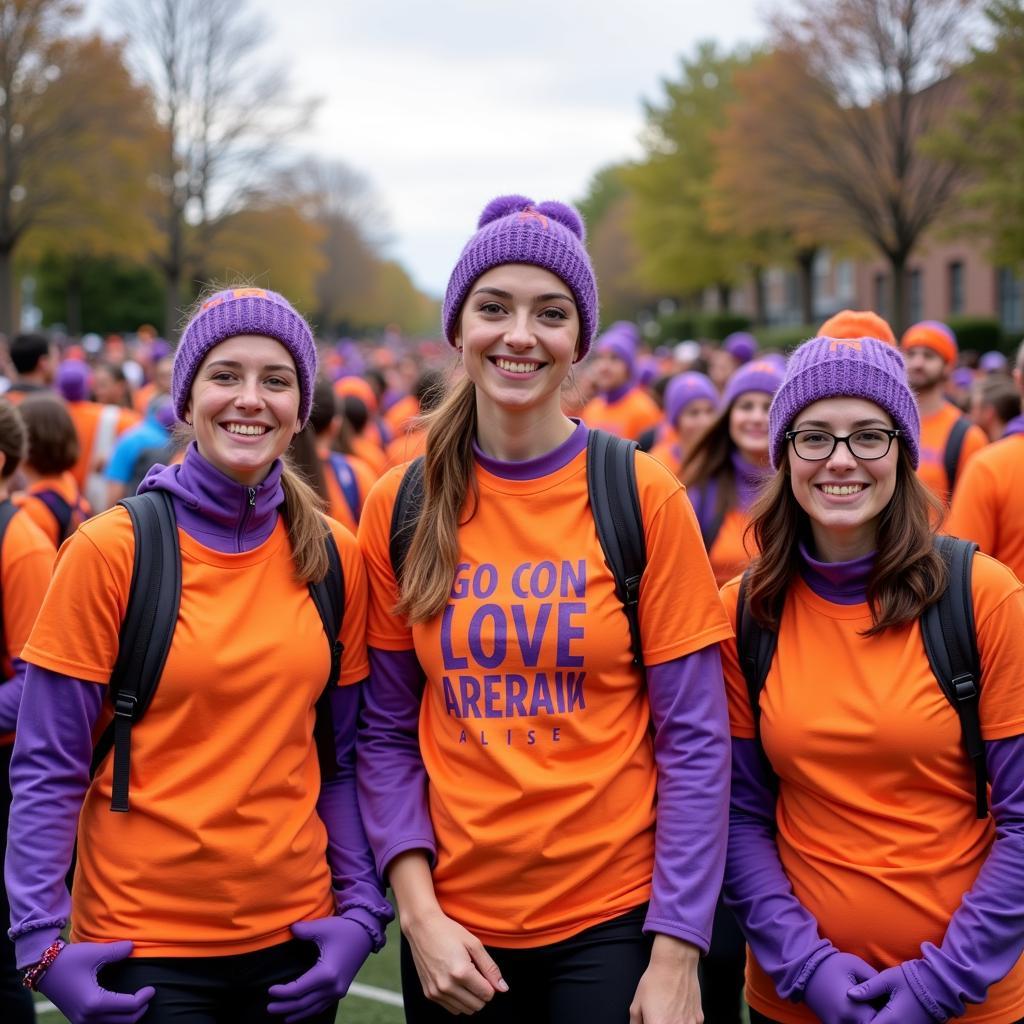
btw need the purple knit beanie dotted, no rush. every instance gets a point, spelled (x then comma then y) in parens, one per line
(993, 362)
(73, 380)
(741, 345)
(761, 375)
(845, 368)
(619, 340)
(684, 389)
(513, 229)
(237, 311)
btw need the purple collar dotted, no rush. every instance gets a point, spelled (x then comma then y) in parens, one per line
(541, 466)
(619, 393)
(750, 478)
(215, 510)
(1015, 426)
(837, 582)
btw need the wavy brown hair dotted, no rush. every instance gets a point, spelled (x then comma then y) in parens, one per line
(908, 576)
(448, 478)
(709, 459)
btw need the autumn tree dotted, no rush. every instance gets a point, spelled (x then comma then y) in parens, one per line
(834, 121)
(227, 111)
(69, 115)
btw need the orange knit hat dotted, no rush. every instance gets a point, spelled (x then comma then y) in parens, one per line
(934, 335)
(857, 323)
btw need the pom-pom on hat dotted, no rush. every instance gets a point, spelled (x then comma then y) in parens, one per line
(235, 311)
(513, 229)
(844, 368)
(760, 375)
(741, 345)
(934, 335)
(857, 323)
(686, 388)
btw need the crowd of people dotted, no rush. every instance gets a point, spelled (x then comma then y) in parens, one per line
(612, 661)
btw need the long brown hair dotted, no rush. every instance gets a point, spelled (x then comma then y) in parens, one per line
(710, 458)
(908, 574)
(448, 478)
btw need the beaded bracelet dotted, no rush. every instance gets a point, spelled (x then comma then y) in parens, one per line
(31, 976)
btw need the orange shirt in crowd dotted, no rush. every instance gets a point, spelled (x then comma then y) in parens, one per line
(408, 445)
(66, 486)
(86, 417)
(988, 504)
(666, 449)
(26, 562)
(337, 505)
(400, 413)
(143, 397)
(223, 849)
(372, 454)
(934, 435)
(732, 551)
(876, 810)
(542, 782)
(629, 417)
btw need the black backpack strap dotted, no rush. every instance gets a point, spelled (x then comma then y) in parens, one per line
(954, 446)
(615, 502)
(755, 649)
(60, 510)
(951, 644)
(146, 633)
(646, 441)
(405, 514)
(329, 597)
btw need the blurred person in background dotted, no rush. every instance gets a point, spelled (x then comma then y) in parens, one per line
(620, 405)
(143, 446)
(690, 404)
(159, 384)
(429, 392)
(995, 401)
(361, 441)
(994, 362)
(110, 385)
(52, 498)
(35, 361)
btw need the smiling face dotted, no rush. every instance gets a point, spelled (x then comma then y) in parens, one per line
(843, 496)
(748, 425)
(519, 333)
(244, 406)
(695, 418)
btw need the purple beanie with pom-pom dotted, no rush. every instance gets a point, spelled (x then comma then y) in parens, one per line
(513, 229)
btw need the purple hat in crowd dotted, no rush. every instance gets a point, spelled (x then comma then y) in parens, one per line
(761, 375)
(993, 362)
(620, 340)
(235, 311)
(741, 345)
(513, 229)
(845, 368)
(686, 388)
(73, 380)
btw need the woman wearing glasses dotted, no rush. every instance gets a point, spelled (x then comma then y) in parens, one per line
(867, 887)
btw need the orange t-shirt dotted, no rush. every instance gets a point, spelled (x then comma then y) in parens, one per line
(338, 507)
(876, 809)
(934, 435)
(143, 397)
(26, 563)
(666, 449)
(535, 725)
(988, 504)
(86, 417)
(66, 486)
(401, 412)
(732, 550)
(629, 417)
(407, 446)
(370, 453)
(222, 849)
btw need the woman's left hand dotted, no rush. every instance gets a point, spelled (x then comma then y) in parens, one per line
(343, 945)
(669, 992)
(899, 1003)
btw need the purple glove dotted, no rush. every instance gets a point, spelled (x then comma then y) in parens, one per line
(826, 991)
(343, 945)
(70, 984)
(901, 1004)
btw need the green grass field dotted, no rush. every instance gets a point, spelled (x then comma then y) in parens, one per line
(380, 971)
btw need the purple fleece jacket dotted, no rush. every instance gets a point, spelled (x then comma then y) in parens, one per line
(985, 936)
(690, 727)
(53, 747)
(749, 479)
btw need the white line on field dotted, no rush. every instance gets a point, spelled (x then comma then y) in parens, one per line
(378, 995)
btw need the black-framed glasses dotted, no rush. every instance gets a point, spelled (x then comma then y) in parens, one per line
(818, 445)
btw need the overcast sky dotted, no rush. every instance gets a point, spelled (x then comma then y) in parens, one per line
(444, 104)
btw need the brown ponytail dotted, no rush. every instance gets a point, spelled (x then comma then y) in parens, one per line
(448, 478)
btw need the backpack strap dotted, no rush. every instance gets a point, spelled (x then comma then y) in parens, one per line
(950, 641)
(8, 510)
(405, 514)
(346, 482)
(615, 502)
(954, 446)
(146, 633)
(755, 649)
(329, 597)
(646, 441)
(60, 510)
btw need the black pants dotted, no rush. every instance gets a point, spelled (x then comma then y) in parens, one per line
(15, 1000)
(215, 989)
(588, 979)
(722, 970)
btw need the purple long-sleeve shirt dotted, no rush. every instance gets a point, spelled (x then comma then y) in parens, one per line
(985, 936)
(689, 718)
(748, 478)
(53, 748)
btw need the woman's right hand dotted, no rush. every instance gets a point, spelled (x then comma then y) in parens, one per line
(70, 983)
(454, 968)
